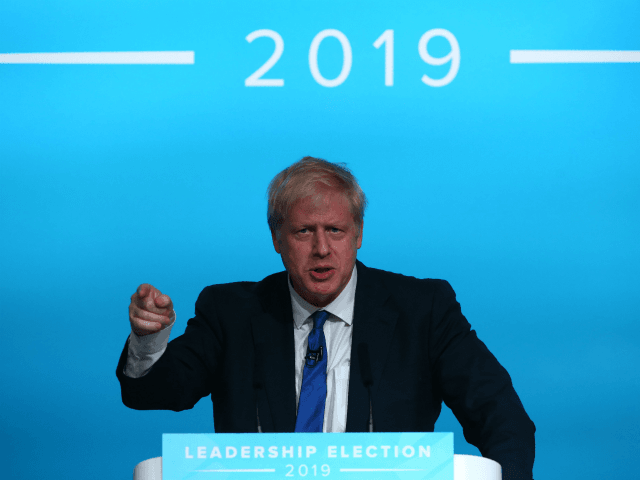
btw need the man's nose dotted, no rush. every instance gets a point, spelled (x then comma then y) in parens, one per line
(321, 244)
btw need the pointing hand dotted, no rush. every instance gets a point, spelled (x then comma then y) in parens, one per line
(150, 311)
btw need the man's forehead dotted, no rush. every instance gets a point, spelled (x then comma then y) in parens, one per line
(321, 205)
(323, 200)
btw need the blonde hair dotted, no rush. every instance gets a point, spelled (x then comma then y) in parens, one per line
(302, 179)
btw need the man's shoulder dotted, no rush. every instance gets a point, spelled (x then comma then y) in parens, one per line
(400, 282)
(407, 293)
(244, 291)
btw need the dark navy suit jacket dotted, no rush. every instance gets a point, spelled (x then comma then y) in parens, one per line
(239, 348)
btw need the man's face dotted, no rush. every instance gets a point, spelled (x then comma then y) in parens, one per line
(318, 244)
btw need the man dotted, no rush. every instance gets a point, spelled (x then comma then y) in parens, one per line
(329, 345)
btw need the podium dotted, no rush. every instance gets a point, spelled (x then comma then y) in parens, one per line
(465, 467)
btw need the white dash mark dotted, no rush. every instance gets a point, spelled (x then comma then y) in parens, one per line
(102, 58)
(574, 56)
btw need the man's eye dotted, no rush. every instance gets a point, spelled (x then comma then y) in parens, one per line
(335, 230)
(304, 230)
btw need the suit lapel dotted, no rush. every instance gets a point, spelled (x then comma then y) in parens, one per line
(373, 325)
(374, 322)
(274, 350)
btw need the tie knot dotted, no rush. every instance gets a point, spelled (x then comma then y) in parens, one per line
(319, 317)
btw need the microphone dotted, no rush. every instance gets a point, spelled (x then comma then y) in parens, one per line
(367, 377)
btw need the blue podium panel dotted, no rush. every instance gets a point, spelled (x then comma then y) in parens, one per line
(406, 456)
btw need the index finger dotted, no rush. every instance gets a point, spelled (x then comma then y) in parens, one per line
(147, 300)
(144, 289)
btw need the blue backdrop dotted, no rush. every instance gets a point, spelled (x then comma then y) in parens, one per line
(517, 183)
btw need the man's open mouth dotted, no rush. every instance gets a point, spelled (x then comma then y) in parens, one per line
(322, 273)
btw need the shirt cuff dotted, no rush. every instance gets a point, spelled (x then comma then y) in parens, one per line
(146, 350)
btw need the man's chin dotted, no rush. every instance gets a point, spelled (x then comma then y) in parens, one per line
(319, 297)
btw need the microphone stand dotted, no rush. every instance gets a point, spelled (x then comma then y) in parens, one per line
(367, 377)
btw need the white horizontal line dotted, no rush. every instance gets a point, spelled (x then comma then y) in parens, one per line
(139, 58)
(574, 56)
(250, 470)
(381, 469)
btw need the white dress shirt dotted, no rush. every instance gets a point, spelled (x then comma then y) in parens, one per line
(338, 331)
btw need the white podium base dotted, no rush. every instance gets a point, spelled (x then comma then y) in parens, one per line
(150, 469)
(471, 467)
(465, 467)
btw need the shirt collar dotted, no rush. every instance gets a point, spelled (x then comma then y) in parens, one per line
(341, 307)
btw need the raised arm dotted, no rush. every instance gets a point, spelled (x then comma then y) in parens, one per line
(157, 376)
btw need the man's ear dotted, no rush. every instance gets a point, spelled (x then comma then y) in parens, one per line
(276, 242)
(359, 241)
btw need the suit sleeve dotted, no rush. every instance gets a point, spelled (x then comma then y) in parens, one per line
(185, 371)
(479, 390)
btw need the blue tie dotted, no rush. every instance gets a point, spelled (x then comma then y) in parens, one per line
(313, 393)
